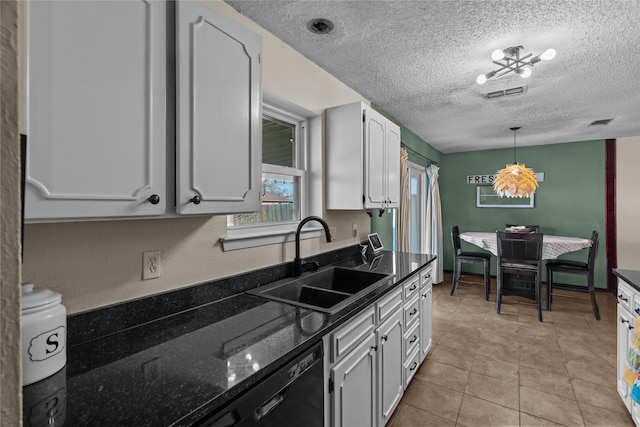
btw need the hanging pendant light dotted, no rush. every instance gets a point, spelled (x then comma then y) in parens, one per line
(515, 180)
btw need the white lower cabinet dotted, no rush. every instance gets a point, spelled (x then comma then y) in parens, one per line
(390, 371)
(370, 360)
(426, 299)
(353, 398)
(628, 309)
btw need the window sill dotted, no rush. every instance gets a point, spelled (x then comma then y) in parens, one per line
(242, 239)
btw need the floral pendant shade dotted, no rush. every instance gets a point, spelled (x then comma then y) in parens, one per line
(515, 180)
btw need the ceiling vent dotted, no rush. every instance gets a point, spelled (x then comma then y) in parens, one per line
(513, 91)
(601, 122)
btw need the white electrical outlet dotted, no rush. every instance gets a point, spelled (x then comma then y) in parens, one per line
(150, 265)
(355, 229)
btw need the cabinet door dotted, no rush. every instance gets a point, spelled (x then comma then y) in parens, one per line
(375, 159)
(625, 320)
(353, 399)
(426, 297)
(393, 165)
(390, 370)
(96, 109)
(219, 109)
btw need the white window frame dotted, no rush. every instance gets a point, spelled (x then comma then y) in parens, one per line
(239, 237)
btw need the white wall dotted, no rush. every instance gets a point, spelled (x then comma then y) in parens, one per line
(98, 263)
(10, 359)
(628, 202)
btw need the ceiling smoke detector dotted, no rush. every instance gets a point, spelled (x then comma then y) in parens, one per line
(320, 26)
(600, 122)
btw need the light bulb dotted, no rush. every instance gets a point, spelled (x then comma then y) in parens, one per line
(526, 72)
(481, 79)
(548, 54)
(497, 54)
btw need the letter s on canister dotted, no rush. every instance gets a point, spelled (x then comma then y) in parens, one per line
(47, 344)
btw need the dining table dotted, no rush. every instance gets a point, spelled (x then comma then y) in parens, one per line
(552, 246)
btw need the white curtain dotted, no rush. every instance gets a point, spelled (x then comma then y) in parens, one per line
(434, 223)
(403, 220)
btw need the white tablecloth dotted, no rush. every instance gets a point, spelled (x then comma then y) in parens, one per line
(552, 246)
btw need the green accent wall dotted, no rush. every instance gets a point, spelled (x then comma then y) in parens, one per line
(570, 201)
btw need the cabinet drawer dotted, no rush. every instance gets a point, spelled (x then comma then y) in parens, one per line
(387, 305)
(411, 312)
(411, 287)
(425, 277)
(411, 367)
(411, 340)
(635, 306)
(625, 295)
(351, 334)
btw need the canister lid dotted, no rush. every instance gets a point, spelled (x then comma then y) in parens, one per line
(32, 298)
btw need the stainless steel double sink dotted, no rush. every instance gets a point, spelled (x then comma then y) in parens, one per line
(327, 291)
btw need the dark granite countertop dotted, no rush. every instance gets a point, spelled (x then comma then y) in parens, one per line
(195, 356)
(632, 277)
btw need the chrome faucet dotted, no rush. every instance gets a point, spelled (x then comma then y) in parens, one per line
(297, 262)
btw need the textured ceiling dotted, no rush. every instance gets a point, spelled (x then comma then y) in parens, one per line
(418, 60)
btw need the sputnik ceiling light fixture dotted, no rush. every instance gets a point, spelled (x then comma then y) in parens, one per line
(509, 60)
(515, 180)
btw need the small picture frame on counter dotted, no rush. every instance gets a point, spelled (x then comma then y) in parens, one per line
(375, 243)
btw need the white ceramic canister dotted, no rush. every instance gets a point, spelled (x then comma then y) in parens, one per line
(44, 334)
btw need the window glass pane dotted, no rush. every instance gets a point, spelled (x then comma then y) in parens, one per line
(280, 198)
(415, 212)
(277, 142)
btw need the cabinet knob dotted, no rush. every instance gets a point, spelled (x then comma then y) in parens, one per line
(154, 199)
(195, 200)
(383, 338)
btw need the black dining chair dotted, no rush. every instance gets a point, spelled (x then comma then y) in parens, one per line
(519, 267)
(576, 267)
(468, 257)
(530, 228)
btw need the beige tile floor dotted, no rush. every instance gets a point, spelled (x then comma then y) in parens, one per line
(487, 369)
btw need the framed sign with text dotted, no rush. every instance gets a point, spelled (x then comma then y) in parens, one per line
(486, 197)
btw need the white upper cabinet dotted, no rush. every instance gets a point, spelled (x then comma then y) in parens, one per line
(362, 159)
(96, 109)
(99, 112)
(219, 103)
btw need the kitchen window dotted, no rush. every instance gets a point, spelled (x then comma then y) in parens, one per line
(284, 181)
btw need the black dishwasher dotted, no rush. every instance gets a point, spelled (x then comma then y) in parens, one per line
(291, 396)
